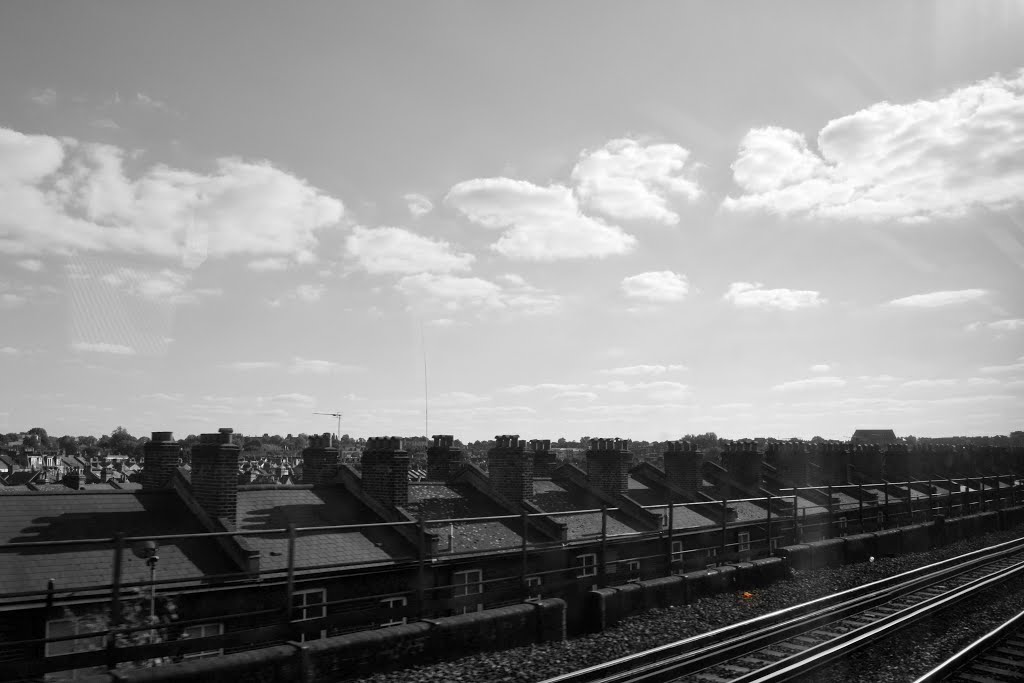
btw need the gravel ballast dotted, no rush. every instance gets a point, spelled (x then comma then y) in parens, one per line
(924, 645)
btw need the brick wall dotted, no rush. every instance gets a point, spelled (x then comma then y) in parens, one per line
(215, 474)
(544, 461)
(743, 463)
(386, 470)
(683, 462)
(443, 458)
(510, 468)
(319, 459)
(608, 462)
(792, 462)
(867, 458)
(161, 455)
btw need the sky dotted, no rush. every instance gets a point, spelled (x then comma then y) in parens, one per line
(548, 219)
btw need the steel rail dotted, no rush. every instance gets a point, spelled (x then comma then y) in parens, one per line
(963, 659)
(723, 643)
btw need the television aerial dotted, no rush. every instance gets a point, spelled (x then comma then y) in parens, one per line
(337, 415)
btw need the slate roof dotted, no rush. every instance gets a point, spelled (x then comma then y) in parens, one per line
(552, 497)
(70, 515)
(879, 436)
(439, 500)
(682, 517)
(274, 507)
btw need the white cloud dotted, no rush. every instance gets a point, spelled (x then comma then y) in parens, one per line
(752, 295)
(538, 223)
(982, 381)
(929, 383)
(61, 195)
(309, 293)
(9, 351)
(11, 300)
(103, 347)
(1000, 369)
(108, 124)
(629, 181)
(937, 299)
(162, 286)
(657, 286)
(251, 365)
(45, 97)
(544, 386)
(31, 264)
(294, 398)
(1007, 325)
(810, 383)
(159, 396)
(268, 264)
(452, 293)
(419, 205)
(821, 367)
(576, 395)
(639, 370)
(910, 162)
(320, 367)
(458, 398)
(395, 250)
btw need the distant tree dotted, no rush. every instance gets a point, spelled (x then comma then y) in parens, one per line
(121, 442)
(44, 440)
(252, 445)
(68, 444)
(87, 441)
(817, 439)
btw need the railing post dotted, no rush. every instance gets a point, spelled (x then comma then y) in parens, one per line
(797, 533)
(49, 597)
(725, 525)
(768, 501)
(949, 499)
(115, 600)
(290, 589)
(604, 546)
(998, 500)
(910, 502)
(860, 505)
(831, 514)
(668, 545)
(421, 580)
(885, 513)
(931, 501)
(524, 552)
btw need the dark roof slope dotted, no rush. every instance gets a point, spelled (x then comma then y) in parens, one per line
(552, 497)
(76, 515)
(272, 508)
(879, 436)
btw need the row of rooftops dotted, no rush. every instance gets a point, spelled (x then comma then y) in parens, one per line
(564, 503)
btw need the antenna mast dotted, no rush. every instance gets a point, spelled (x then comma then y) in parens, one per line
(426, 395)
(337, 436)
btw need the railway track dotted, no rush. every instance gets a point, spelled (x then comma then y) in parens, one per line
(996, 656)
(799, 639)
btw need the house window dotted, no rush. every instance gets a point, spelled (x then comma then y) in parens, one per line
(743, 541)
(533, 588)
(773, 543)
(587, 564)
(63, 628)
(467, 585)
(841, 524)
(712, 557)
(633, 569)
(677, 551)
(393, 603)
(309, 604)
(203, 631)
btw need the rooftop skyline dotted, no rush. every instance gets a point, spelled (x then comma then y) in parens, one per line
(589, 219)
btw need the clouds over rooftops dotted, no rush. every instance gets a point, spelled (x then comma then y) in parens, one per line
(662, 286)
(810, 383)
(396, 250)
(939, 299)
(909, 162)
(628, 181)
(643, 370)
(452, 293)
(297, 365)
(537, 223)
(754, 295)
(62, 195)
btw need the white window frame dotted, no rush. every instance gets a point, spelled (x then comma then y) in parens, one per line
(677, 551)
(392, 603)
(633, 567)
(586, 568)
(712, 557)
(461, 584)
(533, 582)
(743, 541)
(841, 524)
(304, 609)
(203, 631)
(773, 543)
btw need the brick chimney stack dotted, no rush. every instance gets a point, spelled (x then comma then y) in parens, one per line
(443, 458)
(608, 462)
(683, 461)
(386, 470)
(743, 462)
(897, 462)
(319, 459)
(215, 462)
(867, 458)
(510, 468)
(161, 453)
(792, 462)
(73, 479)
(544, 461)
